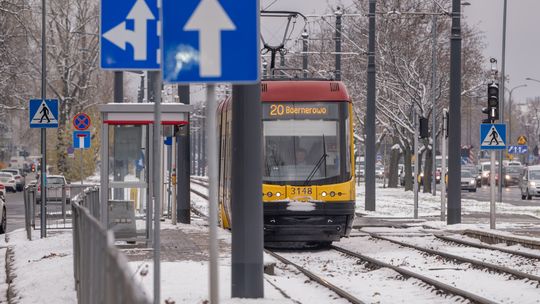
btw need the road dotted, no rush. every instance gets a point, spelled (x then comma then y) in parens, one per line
(15, 211)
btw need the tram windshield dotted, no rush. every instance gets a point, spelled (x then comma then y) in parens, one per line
(305, 143)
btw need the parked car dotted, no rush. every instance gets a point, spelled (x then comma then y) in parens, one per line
(3, 216)
(379, 171)
(529, 184)
(468, 181)
(8, 180)
(2, 190)
(20, 179)
(55, 183)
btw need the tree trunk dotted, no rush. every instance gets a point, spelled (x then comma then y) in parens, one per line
(408, 169)
(393, 170)
(427, 170)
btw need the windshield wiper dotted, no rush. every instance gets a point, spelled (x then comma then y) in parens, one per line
(318, 164)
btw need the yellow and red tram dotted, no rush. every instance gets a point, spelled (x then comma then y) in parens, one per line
(308, 181)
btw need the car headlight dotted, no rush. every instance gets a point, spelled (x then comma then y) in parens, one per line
(485, 174)
(507, 176)
(472, 182)
(532, 184)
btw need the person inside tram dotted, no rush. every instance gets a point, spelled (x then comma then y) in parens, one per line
(300, 157)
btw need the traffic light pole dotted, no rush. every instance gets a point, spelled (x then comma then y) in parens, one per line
(492, 189)
(503, 79)
(454, 138)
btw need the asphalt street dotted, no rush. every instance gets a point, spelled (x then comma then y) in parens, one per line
(15, 211)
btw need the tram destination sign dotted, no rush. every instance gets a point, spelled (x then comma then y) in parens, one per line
(300, 110)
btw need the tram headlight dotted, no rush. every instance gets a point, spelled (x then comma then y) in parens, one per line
(332, 194)
(269, 194)
(278, 194)
(323, 194)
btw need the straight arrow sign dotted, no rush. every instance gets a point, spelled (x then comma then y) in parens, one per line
(209, 18)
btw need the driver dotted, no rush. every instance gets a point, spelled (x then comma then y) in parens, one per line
(300, 157)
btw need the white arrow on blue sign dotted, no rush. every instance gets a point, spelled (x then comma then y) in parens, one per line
(518, 149)
(130, 35)
(209, 41)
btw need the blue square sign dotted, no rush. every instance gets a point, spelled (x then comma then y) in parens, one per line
(210, 41)
(492, 136)
(129, 35)
(43, 113)
(81, 139)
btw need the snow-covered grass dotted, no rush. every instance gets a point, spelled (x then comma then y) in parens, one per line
(43, 268)
(395, 202)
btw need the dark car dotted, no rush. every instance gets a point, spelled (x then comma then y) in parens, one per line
(512, 175)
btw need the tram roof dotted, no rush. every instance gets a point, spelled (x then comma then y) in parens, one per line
(303, 90)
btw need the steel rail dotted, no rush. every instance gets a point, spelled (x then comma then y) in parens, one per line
(485, 246)
(317, 279)
(440, 285)
(493, 267)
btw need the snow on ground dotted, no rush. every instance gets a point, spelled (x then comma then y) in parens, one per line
(395, 202)
(43, 268)
(3, 277)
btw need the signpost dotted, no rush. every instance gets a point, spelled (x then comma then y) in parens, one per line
(492, 137)
(211, 41)
(134, 23)
(518, 149)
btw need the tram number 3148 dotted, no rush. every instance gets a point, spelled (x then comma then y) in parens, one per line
(301, 190)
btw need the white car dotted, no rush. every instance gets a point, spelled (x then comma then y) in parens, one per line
(9, 182)
(468, 181)
(19, 177)
(54, 189)
(530, 182)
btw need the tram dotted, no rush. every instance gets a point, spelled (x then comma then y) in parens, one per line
(308, 181)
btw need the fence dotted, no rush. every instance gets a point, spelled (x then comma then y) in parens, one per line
(57, 213)
(101, 272)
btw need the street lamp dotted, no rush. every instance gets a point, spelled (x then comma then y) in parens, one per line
(510, 111)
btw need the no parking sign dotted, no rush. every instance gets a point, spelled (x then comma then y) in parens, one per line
(81, 121)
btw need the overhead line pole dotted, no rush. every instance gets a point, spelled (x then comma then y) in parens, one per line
(501, 93)
(157, 138)
(43, 218)
(433, 102)
(454, 127)
(370, 113)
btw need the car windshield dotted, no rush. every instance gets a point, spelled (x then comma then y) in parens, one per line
(14, 172)
(534, 175)
(55, 180)
(513, 170)
(466, 174)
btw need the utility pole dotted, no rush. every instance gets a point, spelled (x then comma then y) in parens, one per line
(43, 217)
(246, 189)
(370, 113)
(305, 37)
(183, 161)
(433, 100)
(416, 163)
(454, 138)
(501, 92)
(444, 135)
(339, 14)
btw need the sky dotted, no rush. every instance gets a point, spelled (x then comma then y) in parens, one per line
(522, 35)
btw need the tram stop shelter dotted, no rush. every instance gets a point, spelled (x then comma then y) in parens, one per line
(126, 165)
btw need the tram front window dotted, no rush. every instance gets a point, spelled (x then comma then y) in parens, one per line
(303, 151)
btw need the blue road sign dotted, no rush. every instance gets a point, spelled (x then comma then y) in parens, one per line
(81, 139)
(209, 41)
(129, 35)
(518, 149)
(43, 113)
(492, 136)
(168, 141)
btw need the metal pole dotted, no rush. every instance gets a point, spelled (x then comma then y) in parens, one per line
(501, 93)
(82, 167)
(43, 217)
(370, 114)
(339, 14)
(416, 164)
(118, 172)
(443, 165)
(200, 140)
(155, 78)
(434, 101)
(305, 37)
(204, 155)
(492, 190)
(246, 189)
(183, 163)
(454, 130)
(211, 108)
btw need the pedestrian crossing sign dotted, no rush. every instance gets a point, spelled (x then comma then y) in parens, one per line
(492, 136)
(43, 113)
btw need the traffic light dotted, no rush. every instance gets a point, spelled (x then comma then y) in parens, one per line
(492, 109)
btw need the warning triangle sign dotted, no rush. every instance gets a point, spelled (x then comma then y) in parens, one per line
(44, 115)
(493, 138)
